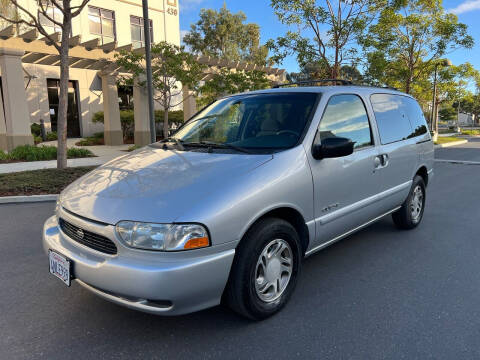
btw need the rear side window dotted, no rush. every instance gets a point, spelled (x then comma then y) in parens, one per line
(392, 119)
(416, 117)
(345, 116)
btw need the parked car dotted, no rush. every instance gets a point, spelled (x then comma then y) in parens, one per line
(228, 207)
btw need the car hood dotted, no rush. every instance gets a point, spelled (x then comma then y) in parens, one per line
(154, 185)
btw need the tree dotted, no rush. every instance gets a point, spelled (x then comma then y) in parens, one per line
(470, 104)
(30, 19)
(335, 26)
(316, 71)
(227, 82)
(7, 10)
(224, 35)
(172, 67)
(447, 113)
(408, 38)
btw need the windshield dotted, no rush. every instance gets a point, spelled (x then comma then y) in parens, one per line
(256, 122)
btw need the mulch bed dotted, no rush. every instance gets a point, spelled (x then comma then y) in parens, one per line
(39, 182)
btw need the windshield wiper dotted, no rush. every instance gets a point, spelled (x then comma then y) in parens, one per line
(211, 144)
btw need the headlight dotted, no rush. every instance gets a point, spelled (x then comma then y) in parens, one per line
(163, 237)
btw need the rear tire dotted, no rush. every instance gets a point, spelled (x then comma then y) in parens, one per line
(265, 269)
(411, 212)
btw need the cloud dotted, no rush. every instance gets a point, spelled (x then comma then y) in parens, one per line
(466, 6)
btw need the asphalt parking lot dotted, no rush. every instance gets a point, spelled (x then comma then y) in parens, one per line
(379, 294)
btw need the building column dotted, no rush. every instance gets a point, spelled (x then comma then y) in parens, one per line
(111, 110)
(189, 103)
(17, 115)
(141, 115)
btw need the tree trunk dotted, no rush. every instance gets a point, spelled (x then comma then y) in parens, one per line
(408, 85)
(63, 96)
(165, 119)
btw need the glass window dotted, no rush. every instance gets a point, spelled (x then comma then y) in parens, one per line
(265, 122)
(102, 22)
(416, 117)
(136, 29)
(345, 116)
(53, 13)
(392, 117)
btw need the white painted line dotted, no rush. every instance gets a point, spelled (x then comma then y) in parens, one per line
(465, 162)
(27, 199)
(453, 143)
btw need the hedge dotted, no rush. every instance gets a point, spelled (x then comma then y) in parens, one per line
(128, 123)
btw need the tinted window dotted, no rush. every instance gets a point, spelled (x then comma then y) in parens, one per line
(260, 121)
(345, 116)
(391, 115)
(416, 117)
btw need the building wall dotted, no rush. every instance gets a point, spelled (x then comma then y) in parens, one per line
(466, 119)
(89, 84)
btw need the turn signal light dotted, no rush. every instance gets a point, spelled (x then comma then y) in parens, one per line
(196, 243)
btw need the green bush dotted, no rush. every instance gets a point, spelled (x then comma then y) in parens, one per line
(36, 130)
(133, 147)
(128, 122)
(78, 153)
(98, 135)
(37, 139)
(174, 117)
(51, 136)
(33, 153)
(39, 153)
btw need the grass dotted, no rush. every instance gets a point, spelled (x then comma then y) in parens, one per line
(36, 182)
(471, 132)
(39, 153)
(446, 139)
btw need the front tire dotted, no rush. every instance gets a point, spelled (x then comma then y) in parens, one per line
(265, 269)
(411, 212)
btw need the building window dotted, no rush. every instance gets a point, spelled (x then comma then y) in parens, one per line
(53, 13)
(136, 28)
(102, 22)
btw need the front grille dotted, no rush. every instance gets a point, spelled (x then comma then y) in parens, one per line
(94, 241)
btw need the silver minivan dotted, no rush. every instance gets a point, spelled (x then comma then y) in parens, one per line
(229, 206)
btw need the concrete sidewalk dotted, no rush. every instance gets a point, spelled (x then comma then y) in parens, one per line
(104, 154)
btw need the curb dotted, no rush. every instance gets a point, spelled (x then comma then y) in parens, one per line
(453, 143)
(27, 199)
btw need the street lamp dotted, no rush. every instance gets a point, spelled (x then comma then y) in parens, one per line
(148, 68)
(433, 118)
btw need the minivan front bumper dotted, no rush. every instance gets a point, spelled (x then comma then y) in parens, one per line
(159, 283)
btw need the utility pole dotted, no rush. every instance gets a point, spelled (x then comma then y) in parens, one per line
(148, 65)
(434, 117)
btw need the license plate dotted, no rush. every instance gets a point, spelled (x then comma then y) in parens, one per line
(60, 266)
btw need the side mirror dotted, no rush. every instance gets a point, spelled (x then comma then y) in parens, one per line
(332, 147)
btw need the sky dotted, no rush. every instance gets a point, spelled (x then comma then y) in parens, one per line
(260, 12)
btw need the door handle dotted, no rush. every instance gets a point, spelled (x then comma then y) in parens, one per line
(380, 161)
(384, 160)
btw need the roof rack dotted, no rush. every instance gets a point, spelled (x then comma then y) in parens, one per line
(313, 82)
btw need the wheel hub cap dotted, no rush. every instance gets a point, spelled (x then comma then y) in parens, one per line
(416, 204)
(273, 270)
